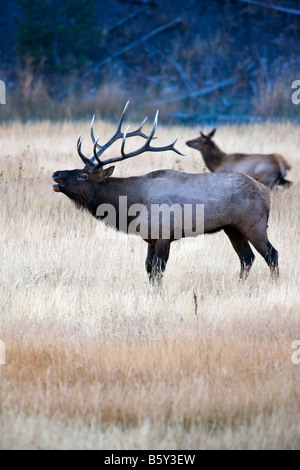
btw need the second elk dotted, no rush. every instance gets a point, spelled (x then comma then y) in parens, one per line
(268, 169)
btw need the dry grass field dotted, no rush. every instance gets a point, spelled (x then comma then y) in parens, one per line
(98, 359)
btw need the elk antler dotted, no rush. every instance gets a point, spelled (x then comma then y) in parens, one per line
(120, 135)
(85, 160)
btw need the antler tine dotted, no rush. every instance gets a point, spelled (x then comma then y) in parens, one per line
(93, 139)
(138, 132)
(147, 147)
(118, 128)
(85, 160)
(118, 134)
(92, 129)
(153, 128)
(96, 157)
(149, 138)
(122, 118)
(123, 144)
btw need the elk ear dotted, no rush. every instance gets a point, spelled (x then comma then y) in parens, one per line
(103, 174)
(210, 136)
(203, 135)
(109, 171)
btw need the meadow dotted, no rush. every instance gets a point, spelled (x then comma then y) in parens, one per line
(96, 358)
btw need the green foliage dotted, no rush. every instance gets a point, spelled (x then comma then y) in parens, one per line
(57, 35)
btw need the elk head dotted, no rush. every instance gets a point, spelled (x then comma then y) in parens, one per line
(201, 142)
(81, 185)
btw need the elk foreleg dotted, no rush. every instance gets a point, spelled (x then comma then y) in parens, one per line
(150, 260)
(157, 258)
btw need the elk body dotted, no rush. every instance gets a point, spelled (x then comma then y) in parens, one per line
(235, 203)
(269, 169)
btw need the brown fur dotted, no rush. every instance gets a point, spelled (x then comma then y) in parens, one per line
(233, 202)
(269, 169)
(282, 163)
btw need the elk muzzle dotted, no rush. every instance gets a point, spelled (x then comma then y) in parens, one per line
(57, 178)
(193, 144)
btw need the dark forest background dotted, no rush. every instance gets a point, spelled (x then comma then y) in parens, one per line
(230, 60)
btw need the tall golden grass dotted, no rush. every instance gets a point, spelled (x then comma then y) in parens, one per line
(98, 359)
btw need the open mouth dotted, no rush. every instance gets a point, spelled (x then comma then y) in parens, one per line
(57, 187)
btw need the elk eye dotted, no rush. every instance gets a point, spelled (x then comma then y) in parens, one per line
(83, 176)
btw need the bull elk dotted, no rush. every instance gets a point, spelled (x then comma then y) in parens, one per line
(269, 169)
(232, 202)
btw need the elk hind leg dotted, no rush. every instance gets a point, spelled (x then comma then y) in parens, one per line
(283, 182)
(242, 248)
(267, 251)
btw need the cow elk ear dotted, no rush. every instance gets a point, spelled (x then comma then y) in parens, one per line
(103, 174)
(212, 133)
(204, 138)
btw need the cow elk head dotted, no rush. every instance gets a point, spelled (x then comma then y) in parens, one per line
(201, 142)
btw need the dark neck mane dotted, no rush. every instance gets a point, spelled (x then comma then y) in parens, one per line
(212, 155)
(108, 193)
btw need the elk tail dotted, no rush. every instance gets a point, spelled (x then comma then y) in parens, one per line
(282, 163)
